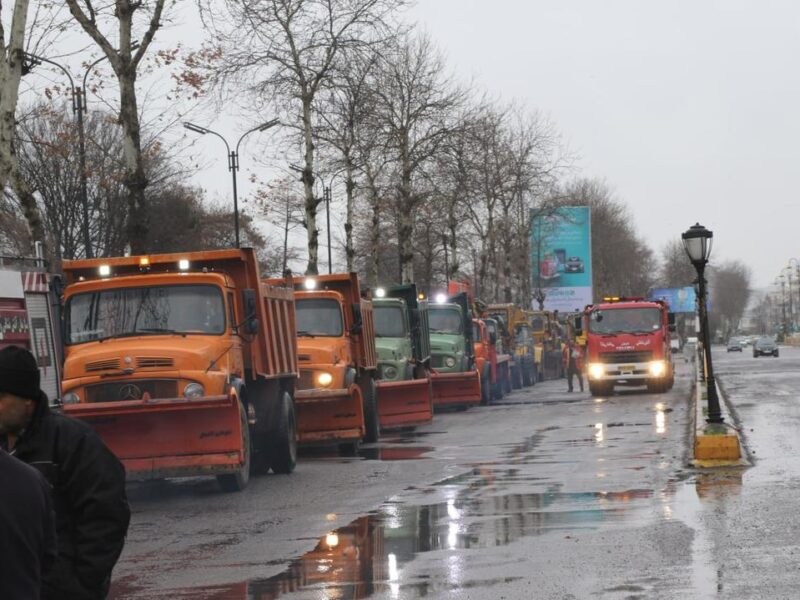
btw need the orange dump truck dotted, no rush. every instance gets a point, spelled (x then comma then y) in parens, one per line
(337, 392)
(185, 364)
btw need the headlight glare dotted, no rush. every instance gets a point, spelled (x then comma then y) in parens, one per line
(194, 390)
(324, 379)
(70, 398)
(658, 368)
(596, 371)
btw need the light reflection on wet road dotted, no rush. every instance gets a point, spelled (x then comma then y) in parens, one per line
(594, 500)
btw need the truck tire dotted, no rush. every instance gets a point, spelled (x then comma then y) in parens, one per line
(236, 482)
(600, 389)
(516, 377)
(507, 382)
(486, 391)
(369, 392)
(283, 438)
(658, 386)
(497, 389)
(350, 448)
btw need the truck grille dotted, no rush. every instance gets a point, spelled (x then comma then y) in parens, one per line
(132, 390)
(306, 381)
(626, 357)
(110, 364)
(153, 362)
(437, 361)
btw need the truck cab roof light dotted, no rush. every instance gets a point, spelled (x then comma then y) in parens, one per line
(420, 296)
(104, 270)
(183, 264)
(441, 298)
(310, 283)
(380, 293)
(144, 264)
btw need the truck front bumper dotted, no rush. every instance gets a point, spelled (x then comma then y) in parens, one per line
(656, 369)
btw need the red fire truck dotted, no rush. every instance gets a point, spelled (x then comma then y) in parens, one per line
(627, 343)
(27, 317)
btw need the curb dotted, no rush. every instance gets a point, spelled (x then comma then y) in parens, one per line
(715, 445)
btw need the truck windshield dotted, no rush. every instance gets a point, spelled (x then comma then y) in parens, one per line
(523, 335)
(537, 323)
(125, 312)
(319, 317)
(445, 320)
(625, 320)
(389, 321)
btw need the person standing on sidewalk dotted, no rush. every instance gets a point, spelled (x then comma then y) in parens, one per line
(573, 362)
(27, 530)
(87, 481)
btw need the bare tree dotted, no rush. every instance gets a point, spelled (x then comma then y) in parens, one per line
(730, 285)
(284, 208)
(415, 105)
(125, 62)
(676, 269)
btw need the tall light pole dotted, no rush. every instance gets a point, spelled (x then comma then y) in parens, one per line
(78, 96)
(697, 241)
(790, 323)
(233, 161)
(782, 281)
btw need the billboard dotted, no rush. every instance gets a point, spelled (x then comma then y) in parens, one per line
(561, 258)
(680, 300)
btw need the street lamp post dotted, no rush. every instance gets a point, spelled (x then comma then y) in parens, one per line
(233, 162)
(78, 96)
(782, 281)
(697, 241)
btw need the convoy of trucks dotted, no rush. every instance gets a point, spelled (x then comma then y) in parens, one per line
(191, 364)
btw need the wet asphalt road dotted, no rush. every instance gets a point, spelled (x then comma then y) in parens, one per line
(546, 495)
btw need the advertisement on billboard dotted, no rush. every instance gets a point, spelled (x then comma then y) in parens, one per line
(680, 300)
(561, 258)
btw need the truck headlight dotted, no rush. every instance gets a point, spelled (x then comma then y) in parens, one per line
(324, 379)
(658, 368)
(194, 390)
(70, 398)
(389, 372)
(450, 361)
(596, 371)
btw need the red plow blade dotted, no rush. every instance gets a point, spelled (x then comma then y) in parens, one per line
(329, 415)
(404, 403)
(170, 437)
(456, 389)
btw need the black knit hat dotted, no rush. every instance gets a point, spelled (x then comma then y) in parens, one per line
(19, 374)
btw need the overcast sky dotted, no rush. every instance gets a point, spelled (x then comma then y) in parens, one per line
(689, 109)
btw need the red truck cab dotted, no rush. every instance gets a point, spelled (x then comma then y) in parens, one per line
(628, 343)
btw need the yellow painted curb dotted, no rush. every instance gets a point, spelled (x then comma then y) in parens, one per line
(716, 447)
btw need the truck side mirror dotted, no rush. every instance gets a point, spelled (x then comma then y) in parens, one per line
(578, 325)
(249, 302)
(357, 321)
(492, 338)
(671, 327)
(671, 320)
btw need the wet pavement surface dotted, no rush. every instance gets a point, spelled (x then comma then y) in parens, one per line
(544, 495)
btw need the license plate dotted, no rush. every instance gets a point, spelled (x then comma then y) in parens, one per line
(627, 368)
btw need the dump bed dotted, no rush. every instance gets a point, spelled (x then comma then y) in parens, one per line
(271, 352)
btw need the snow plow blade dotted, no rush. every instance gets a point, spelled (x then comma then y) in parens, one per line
(456, 389)
(174, 437)
(404, 403)
(328, 416)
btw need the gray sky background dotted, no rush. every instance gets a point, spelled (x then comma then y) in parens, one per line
(689, 109)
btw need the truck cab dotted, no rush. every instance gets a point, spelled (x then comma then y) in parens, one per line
(628, 343)
(184, 364)
(402, 341)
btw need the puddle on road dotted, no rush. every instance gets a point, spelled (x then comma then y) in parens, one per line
(369, 554)
(381, 452)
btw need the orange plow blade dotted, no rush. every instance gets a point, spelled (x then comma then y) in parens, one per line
(176, 437)
(404, 403)
(329, 415)
(456, 389)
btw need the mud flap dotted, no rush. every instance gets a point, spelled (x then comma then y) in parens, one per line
(456, 389)
(177, 437)
(404, 403)
(329, 415)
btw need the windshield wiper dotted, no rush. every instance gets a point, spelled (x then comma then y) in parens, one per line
(161, 330)
(305, 334)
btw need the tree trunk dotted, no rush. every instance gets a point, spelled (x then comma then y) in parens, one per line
(405, 225)
(138, 228)
(375, 235)
(312, 268)
(286, 224)
(350, 186)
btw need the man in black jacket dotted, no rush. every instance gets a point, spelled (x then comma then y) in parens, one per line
(27, 530)
(87, 480)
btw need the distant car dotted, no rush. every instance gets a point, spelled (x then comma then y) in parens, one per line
(734, 345)
(765, 346)
(675, 345)
(574, 264)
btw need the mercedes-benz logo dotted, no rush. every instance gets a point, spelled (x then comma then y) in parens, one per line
(130, 392)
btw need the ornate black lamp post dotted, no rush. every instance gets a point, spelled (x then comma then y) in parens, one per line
(697, 241)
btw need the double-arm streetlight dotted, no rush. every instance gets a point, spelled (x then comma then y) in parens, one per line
(78, 96)
(233, 160)
(697, 241)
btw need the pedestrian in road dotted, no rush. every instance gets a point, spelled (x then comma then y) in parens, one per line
(87, 481)
(27, 530)
(573, 362)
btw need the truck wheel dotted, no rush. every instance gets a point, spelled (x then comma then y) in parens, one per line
(486, 394)
(236, 482)
(350, 448)
(656, 387)
(371, 420)
(601, 389)
(283, 439)
(497, 388)
(516, 378)
(507, 384)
